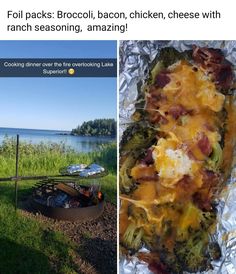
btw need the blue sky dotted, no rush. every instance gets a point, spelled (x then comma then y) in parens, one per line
(56, 103)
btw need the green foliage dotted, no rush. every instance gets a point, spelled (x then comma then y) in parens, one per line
(98, 127)
(132, 238)
(48, 158)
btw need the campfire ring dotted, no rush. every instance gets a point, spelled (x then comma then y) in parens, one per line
(78, 214)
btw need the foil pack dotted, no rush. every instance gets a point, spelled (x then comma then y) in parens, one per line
(135, 58)
(82, 170)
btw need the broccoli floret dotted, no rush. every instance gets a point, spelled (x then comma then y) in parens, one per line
(167, 228)
(192, 253)
(134, 142)
(132, 238)
(155, 71)
(170, 261)
(137, 215)
(215, 160)
(214, 251)
(169, 56)
(137, 137)
(207, 219)
(193, 218)
(189, 255)
(126, 182)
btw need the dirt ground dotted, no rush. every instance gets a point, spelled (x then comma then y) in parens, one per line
(96, 240)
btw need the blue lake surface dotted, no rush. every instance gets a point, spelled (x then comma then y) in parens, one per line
(35, 136)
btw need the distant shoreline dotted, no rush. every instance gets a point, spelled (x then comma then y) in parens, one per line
(80, 135)
(34, 129)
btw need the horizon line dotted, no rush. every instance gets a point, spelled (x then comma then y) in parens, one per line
(35, 129)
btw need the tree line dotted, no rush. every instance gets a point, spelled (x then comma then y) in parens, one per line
(97, 127)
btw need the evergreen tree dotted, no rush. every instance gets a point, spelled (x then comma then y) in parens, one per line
(97, 127)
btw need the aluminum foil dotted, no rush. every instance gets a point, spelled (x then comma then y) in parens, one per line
(74, 168)
(135, 58)
(92, 170)
(82, 170)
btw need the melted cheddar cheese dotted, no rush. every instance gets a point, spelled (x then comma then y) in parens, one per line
(193, 91)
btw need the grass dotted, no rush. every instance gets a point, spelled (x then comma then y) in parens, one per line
(28, 246)
(38, 159)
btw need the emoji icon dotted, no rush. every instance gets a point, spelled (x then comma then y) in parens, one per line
(71, 71)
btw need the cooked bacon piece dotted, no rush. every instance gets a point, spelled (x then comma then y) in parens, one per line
(154, 101)
(157, 268)
(154, 263)
(191, 155)
(213, 61)
(185, 188)
(152, 105)
(156, 94)
(185, 182)
(209, 127)
(148, 159)
(223, 76)
(205, 56)
(203, 198)
(162, 80)
(204, 144)
(156, 117)
(163, 120)
(177, 111)
(154, 98)
(202, 201)
(210, 178)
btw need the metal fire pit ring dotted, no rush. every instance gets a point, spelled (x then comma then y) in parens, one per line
(70, 214)
(79, 214)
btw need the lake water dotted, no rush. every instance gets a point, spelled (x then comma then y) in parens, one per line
(35, 136)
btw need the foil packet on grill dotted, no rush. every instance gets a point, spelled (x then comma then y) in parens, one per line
(92, 169)
(82, 170)
(73, 169)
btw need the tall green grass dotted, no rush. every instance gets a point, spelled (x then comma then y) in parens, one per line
(48, 158)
